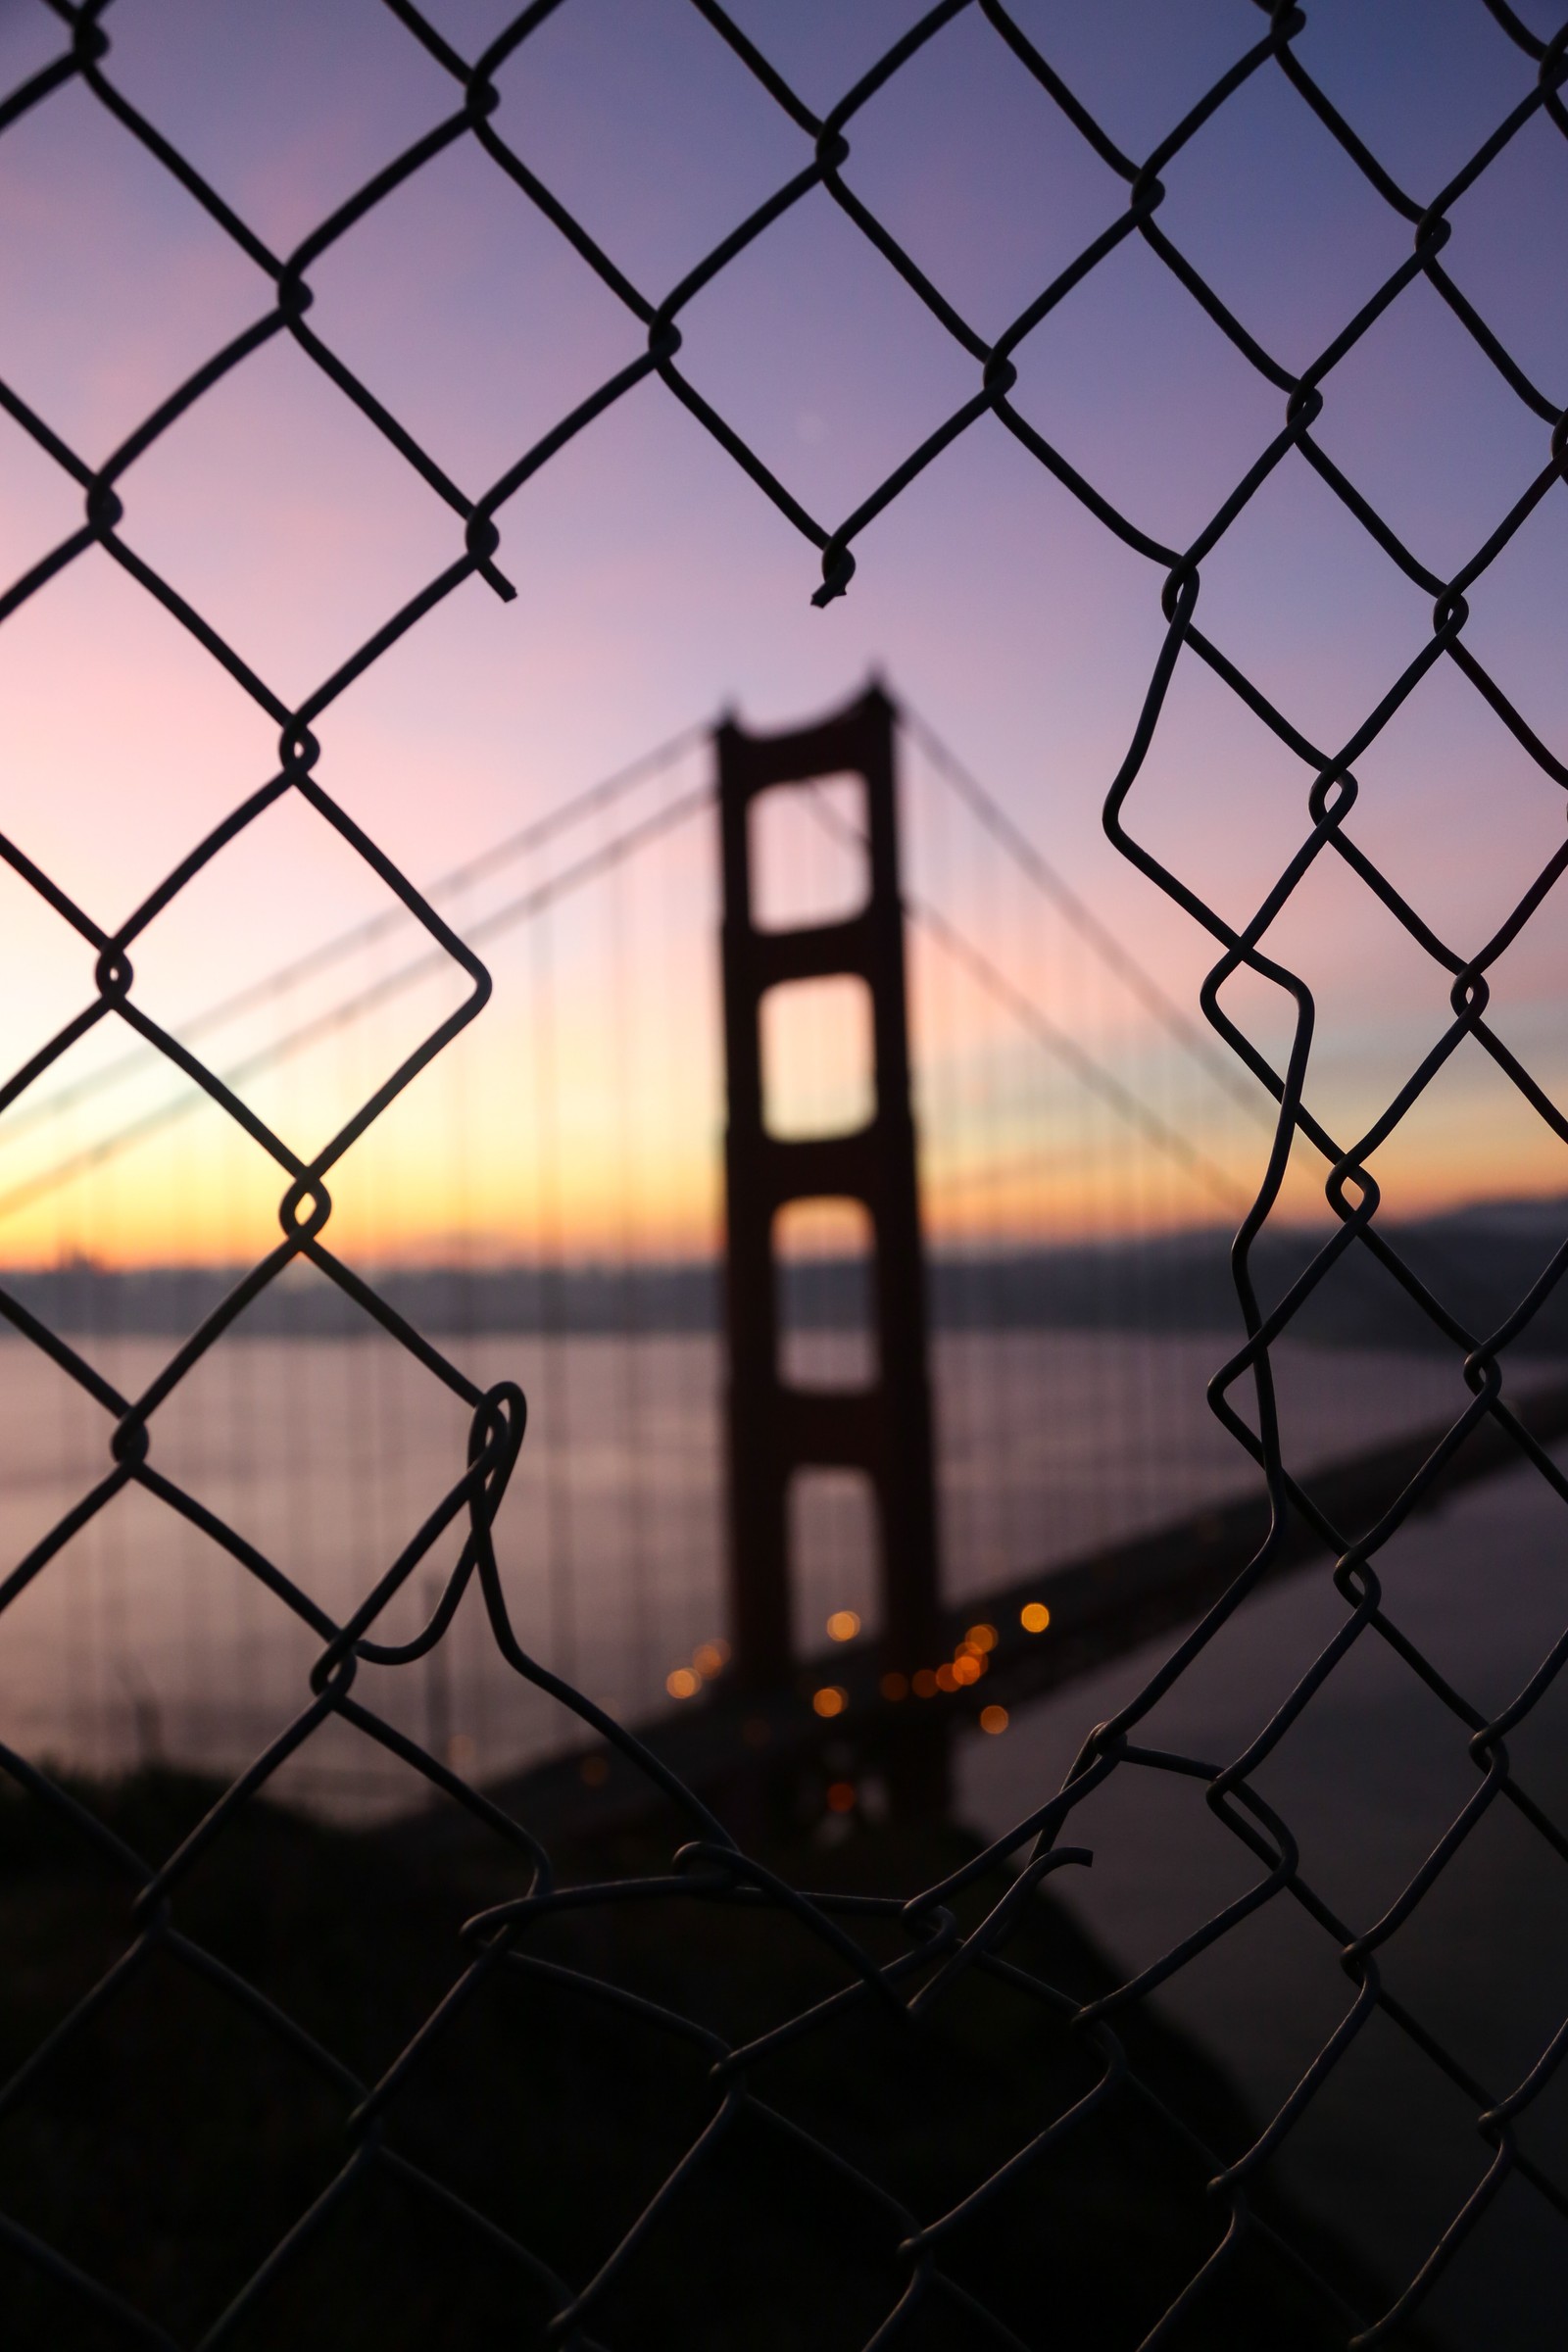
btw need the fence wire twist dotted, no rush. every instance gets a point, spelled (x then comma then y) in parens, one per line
(711, 1867)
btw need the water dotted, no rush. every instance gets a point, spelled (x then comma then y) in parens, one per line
(1368, 1778)
(141, 1638)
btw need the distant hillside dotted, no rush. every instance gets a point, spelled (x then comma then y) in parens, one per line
(1479, 1260)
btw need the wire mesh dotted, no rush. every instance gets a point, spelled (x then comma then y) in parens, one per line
(926, 2279)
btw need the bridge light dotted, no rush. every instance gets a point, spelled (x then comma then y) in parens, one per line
(993, 1719)
(981, 1638)
(1034, 1616)
(709, 1660)
(895, 1686)
(842, 1626)
(831, 1700)
(682, 1682)
(925, 1684)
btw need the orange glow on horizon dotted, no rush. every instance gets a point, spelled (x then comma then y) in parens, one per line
(219, 1207)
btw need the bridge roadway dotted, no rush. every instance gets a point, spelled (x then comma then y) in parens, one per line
(1101, 1607)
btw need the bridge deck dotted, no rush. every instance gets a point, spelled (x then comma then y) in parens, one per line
(1102, 1606)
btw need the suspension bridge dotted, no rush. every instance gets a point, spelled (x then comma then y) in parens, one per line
(1040, 1495)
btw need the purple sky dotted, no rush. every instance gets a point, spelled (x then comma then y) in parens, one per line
(657, 584)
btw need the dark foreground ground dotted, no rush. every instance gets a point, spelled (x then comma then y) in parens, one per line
(171, 2142)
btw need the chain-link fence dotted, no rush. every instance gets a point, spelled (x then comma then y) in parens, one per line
(688, 2100)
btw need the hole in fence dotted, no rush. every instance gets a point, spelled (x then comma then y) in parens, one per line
(809, 859)
(834, 1544)
(818, 1057)
(823, 1254)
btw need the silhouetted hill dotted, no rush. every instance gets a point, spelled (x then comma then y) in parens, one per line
(1479, 1260)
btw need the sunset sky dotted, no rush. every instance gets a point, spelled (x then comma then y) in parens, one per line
(656, 585)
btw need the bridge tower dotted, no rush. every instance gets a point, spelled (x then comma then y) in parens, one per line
(775, 1428)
